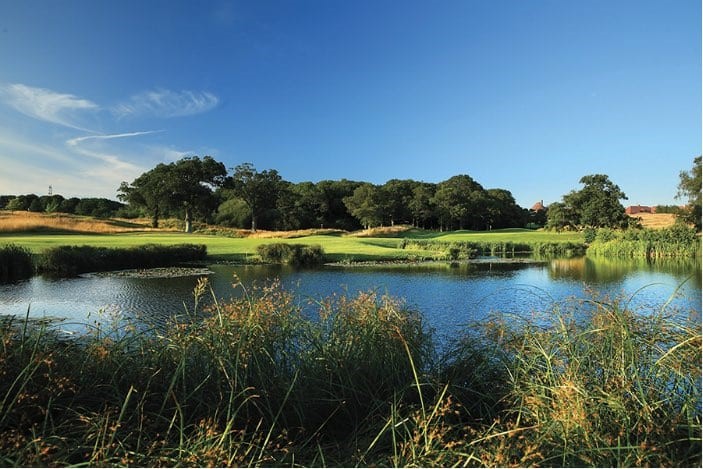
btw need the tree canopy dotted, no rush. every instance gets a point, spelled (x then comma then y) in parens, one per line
(596, 205)
(185, 185)
(259, 190)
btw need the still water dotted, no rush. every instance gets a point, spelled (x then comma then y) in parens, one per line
(447, 296)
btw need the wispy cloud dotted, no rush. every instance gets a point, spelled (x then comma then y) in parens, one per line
(167, 103)
(30, 167)
(46, 105)
(75, 141)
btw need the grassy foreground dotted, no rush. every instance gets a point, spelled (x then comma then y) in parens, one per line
(253, 382)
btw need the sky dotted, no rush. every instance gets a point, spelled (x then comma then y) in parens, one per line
(527, 96)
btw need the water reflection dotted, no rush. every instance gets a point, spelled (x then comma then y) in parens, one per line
(449, 295)
(605, 270)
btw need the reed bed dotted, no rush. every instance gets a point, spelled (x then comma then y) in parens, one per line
(16, 263)
(677, 241)
(66, 261)
(255, 382)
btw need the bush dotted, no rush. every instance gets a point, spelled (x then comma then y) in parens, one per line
(66, 261)
(292, 254)
(15, 263)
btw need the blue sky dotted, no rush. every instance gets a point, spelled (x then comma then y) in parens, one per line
(527, 96)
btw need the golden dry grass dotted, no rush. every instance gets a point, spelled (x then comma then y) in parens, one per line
(656, 220)
(17, 222)
(291, 234)
(381, 231)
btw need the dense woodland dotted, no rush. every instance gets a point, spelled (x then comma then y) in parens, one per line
(203, 190)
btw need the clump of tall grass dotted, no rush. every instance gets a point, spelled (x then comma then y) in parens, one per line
(599, 385)
(247, 382)
(678, 240)
(72, 260)
(293, 254)
(15, 263)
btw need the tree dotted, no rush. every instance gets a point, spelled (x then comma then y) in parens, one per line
(365, 205)
(334, 211)
(690, 187)
(191, 182)
(150, 191)
(596, 205)
(502, 211)
(560, 216)
(421, 205)
(460, 201)
(395, 196)
(183, 185)
(259, 190)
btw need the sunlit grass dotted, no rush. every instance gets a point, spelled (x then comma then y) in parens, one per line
(17, 222)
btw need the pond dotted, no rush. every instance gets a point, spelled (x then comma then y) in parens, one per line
(449, 296)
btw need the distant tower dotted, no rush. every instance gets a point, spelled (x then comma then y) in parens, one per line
(51, 191)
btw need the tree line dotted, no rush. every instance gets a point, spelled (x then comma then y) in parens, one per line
(249, 198)
(195, 188)
(89, 206)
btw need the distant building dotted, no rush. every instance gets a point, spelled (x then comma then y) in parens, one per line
(635, 209)
(539, 206)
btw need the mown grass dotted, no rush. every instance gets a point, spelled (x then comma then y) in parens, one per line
(335, 246)
(254, 382)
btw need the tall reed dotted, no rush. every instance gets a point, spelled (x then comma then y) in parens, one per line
(678, 240)
(15, 263)
(72, 260)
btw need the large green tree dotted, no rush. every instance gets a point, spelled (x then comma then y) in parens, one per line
(192, 182)
(460, 202)
(259, 190)
(596, 205)
(365, 204)
(395, 196)
(421, 205)
(690, 188)
(185, 185)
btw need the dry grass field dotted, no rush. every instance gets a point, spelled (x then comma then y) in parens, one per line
(19, 222)
(656, 220)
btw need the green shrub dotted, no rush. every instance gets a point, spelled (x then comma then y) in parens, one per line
(293, 254)
(15, 263)
(73, 260)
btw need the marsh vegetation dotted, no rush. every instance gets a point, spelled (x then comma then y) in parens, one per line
(251, 381)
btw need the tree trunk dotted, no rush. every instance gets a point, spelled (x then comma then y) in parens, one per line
(253, 223)
(189, 221)
(155, 218)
